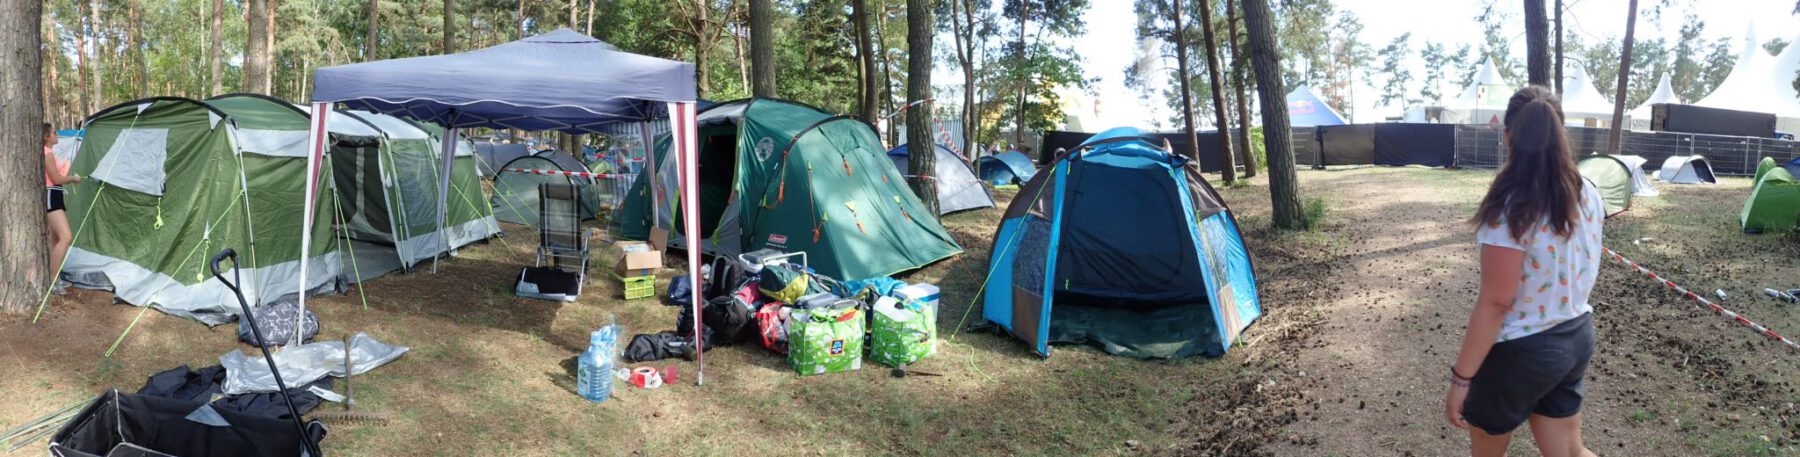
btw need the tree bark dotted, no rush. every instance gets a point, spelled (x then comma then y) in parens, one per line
(372, 42)
(762, 49)
(962, 31)
(1537, 47)
(256, 57)
(865, 70)
(136, 38)
(1284, 189)
(737, 40)
(919, 36)
(590, 18)
(449, 26)
(24, 272)
(85, 95)
(1019, 122)
(269, 47)
(99, 87)
(218, 45)
(1185, 77)
(1559, 48)
(1223, 124)
(702, 10)
(1618, 117)
(887, 80)
(1238, 67)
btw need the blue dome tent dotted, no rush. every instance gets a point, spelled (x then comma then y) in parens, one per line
(1010, 167)
(1121, 244)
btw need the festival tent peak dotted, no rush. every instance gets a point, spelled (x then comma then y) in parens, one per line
(1760, 83)
(1306, 109)
(1582, 104)
(561, 80)
(1483, 101)
(1640, 116)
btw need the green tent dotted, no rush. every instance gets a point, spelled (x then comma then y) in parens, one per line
(174, 180)
(468, 215)
(1612, 177)
(782, 175)
(1773, 203)
(1767, 163)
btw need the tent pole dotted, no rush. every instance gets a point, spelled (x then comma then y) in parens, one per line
(652, 185)
(447, 151)
(315, 148)
(684, 139)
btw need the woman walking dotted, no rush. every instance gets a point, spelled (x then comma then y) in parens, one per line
(1531, 333)
(56, 174)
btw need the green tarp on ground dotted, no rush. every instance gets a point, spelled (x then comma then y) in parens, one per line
(1612, 177)
(1773, 203)
(781, 175)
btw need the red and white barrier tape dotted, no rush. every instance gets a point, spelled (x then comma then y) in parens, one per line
(582, 174)
(1716, 309)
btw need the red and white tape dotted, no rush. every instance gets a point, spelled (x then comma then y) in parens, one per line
(583, 174)
(1716, 309)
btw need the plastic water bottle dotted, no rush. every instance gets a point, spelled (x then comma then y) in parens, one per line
(594, 375)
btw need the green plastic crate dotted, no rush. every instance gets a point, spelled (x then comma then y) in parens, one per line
(637, 287)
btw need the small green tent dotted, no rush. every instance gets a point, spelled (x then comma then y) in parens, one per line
(782, 175)
(1612, 177)
(1773, 203)
(1762, 167)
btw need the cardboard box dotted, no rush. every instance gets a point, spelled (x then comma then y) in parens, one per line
(659, 239)
(636, 258)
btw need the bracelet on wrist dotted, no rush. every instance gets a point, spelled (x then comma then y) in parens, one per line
(1458, 376)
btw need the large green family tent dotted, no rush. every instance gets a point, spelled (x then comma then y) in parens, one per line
(1122, 244)
(782, 175)
(1612, 177)
(468, 214)
(957, 188)
(174, 180)
(1773, 203)
(516, 188)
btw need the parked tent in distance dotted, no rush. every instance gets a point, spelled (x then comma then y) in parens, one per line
(1687, 170)
(1133, 251)
(1006, 168)
(958, 190)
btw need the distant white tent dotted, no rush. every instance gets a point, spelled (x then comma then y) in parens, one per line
(1640, 116)
(1483, 101)
(1582, 104)
(1761, 83)
(1687, 170)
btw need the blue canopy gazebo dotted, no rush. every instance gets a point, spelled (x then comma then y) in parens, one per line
(561, 80)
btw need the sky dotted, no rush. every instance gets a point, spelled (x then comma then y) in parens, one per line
(1109, 44)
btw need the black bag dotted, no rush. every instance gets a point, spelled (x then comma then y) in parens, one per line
(276, 320)
(727, 276)
(657, 346)
(120, 424)
(681, 291)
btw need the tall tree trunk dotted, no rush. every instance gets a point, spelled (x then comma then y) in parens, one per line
(962, 28)
(1537, 44)
(762, 49)
(519, 18)
(86, 98)
(573, 17)
(218, 46)
(256, 57)
(1223, 124)
(590, 18)
(371, 43)
(887, 79)
(47, 72)
(1238, 67)
(1185, 77)
(1019, 121)
(269, 47)
(449, 26)
(703, 10)
(737, 41)
(1284, 188)
(1618, 117)
(865, 69)
(53, 99)
(919, 28)
(136, 38)
(24, 271)
(99, 86)
(1559, 48)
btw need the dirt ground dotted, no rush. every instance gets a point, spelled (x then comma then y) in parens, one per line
(1363, 314)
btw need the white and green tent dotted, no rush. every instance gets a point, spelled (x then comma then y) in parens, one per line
(174, 180)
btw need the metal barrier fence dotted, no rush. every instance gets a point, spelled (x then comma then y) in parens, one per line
(1480, 146)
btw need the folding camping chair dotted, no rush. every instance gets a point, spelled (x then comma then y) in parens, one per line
(560, 270)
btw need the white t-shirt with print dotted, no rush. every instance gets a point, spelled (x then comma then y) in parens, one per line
(1559, 272)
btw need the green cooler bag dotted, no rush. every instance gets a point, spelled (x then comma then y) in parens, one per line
(903, 334)
(826, 340)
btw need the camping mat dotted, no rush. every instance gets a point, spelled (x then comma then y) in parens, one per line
(1169, 332)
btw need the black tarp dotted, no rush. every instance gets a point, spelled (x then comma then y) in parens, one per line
(1432, 145)
(205, 384)
(1348, 144)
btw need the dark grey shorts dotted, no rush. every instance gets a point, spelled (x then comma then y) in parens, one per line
(1538, 374)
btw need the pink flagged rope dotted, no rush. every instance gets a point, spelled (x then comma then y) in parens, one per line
(1716, 309)
(582, 174)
